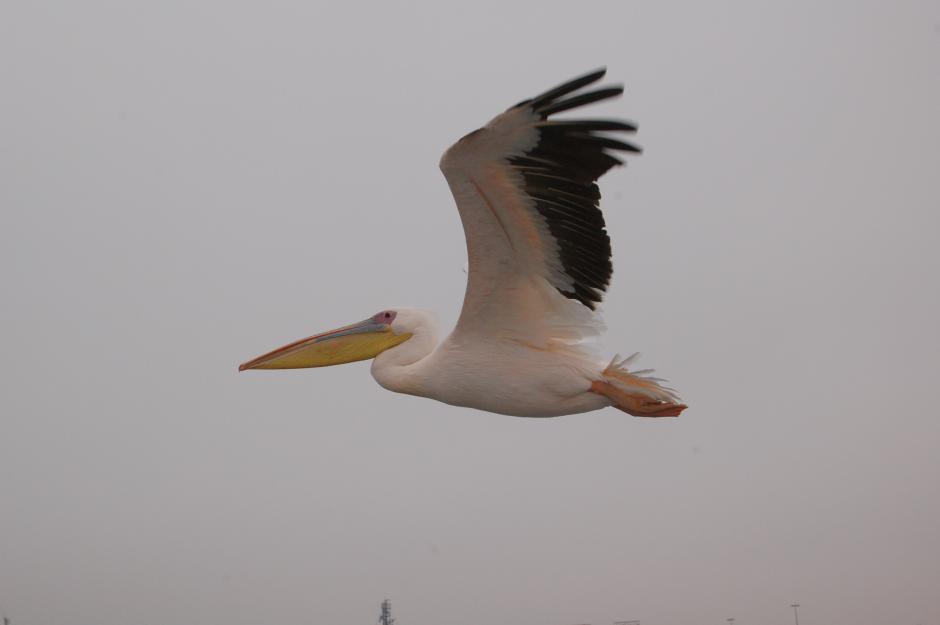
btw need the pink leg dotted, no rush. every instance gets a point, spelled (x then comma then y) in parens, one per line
(636, 404)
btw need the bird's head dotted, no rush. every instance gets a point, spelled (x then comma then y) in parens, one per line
(358, 341)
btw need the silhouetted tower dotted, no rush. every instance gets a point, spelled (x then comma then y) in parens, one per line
(386, 617)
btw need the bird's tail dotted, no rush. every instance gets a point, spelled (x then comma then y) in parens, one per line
(637, 392)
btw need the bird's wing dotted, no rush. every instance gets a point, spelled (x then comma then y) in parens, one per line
(525, 187)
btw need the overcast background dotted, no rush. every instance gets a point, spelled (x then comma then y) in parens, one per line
(185, 185)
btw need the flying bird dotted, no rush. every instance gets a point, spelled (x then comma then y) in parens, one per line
(525, 185)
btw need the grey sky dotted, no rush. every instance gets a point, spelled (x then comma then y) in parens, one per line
(186, 185)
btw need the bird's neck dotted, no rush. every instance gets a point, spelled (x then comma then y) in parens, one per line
(399, 369)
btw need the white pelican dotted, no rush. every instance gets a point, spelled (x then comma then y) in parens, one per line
(539, 262)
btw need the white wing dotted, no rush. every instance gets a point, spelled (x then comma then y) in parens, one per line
(525, 187)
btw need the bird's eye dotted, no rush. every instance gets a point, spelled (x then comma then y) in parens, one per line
(386, 316)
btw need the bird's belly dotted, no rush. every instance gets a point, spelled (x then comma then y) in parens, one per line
(536, 384)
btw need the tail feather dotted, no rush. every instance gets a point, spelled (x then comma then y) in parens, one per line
(638, 381)
(637, 392)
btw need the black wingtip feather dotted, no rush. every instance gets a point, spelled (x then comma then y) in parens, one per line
(579, 100)
(560, 175)
(566, 88)
(591, 124)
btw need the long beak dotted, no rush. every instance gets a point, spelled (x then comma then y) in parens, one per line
(359, 341)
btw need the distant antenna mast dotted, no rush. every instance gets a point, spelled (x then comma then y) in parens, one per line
(386, 617)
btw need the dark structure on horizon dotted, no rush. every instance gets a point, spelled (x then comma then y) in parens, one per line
(385, 618)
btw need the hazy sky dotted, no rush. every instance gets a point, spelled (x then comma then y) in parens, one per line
(185, 185)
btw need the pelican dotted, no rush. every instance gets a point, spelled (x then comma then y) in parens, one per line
(539, 263)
